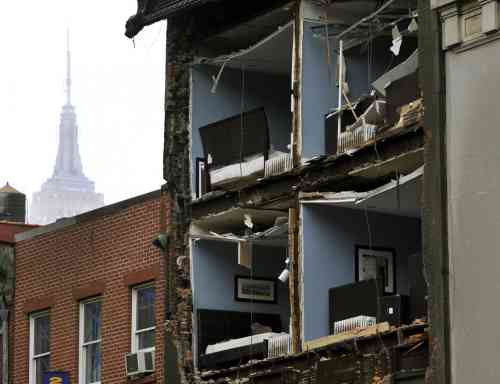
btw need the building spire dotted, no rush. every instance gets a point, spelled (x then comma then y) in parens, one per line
(68, 191)
(68, 161)
(68, 70)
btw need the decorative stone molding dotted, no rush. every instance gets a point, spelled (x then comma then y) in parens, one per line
(450, 22)
(489, 15)
(465, 22)
(435, 4)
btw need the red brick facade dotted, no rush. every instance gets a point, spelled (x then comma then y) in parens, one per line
(102, 253)
(9, 229)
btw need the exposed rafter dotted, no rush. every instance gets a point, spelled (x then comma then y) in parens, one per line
(390, 13)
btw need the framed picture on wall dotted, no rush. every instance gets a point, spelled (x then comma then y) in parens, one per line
(256, 289)
(376, 263)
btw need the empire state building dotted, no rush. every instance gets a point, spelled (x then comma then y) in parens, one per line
(68, 192)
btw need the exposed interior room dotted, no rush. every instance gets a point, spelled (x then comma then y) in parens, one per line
(241, 117)
(347, 47)
(362, 258)
(241, 301)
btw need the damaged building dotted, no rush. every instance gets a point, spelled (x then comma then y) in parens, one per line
(295, 169)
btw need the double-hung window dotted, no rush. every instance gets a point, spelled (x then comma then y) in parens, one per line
(143, 318)
(39, 346)
(90, 342)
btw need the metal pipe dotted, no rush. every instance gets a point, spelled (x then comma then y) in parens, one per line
(5, 350)
(365, 19)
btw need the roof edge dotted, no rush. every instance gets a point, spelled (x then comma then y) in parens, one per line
(150, 12)
(87, 216)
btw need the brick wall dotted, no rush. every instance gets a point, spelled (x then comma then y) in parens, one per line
(104, 251)
(9, 229)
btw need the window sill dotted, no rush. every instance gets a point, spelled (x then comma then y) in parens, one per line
(150, 379)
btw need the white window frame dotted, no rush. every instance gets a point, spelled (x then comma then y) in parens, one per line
(135, 332)
(33, 357)
(82, 363)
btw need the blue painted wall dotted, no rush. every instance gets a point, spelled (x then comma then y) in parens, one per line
(329, 238)
(215, 264)
(318, 95)
(261, 90)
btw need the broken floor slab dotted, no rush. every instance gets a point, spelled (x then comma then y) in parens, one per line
(400, 151)
(398, 191)
(369, 357)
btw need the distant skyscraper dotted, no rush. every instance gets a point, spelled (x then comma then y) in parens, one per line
(68, 192)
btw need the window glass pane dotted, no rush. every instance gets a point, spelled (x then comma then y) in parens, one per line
(92, 321)
(41, 366)
(146, 339)
(42, 335)
(145, 308)
(93, 363)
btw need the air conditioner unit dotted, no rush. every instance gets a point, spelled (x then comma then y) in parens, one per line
(357, 322)
(279, 164)
(140, 362)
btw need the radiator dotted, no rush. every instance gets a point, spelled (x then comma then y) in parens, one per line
(355, 138)
(279, 345)
(353, 323)
(279, 164)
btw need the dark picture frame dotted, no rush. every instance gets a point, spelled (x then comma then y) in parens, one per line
(255, 289)
(376, 262)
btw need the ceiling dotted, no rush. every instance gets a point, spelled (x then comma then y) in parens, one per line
(245, 34)
(404, 200)
(272, 55)
(400, 198)
(233, 219)
(223, 226)
(355, 21)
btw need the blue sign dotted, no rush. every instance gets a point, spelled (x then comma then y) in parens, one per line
(56, 378)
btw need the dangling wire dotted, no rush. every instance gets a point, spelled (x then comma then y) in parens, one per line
(370, 243)
(251, 308)
(398, 193)
(370, 53)
(242, 122)
(328, 52)
(242, 116)
(158, 33)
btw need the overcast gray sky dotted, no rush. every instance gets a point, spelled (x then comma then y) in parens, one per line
(117, 91)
